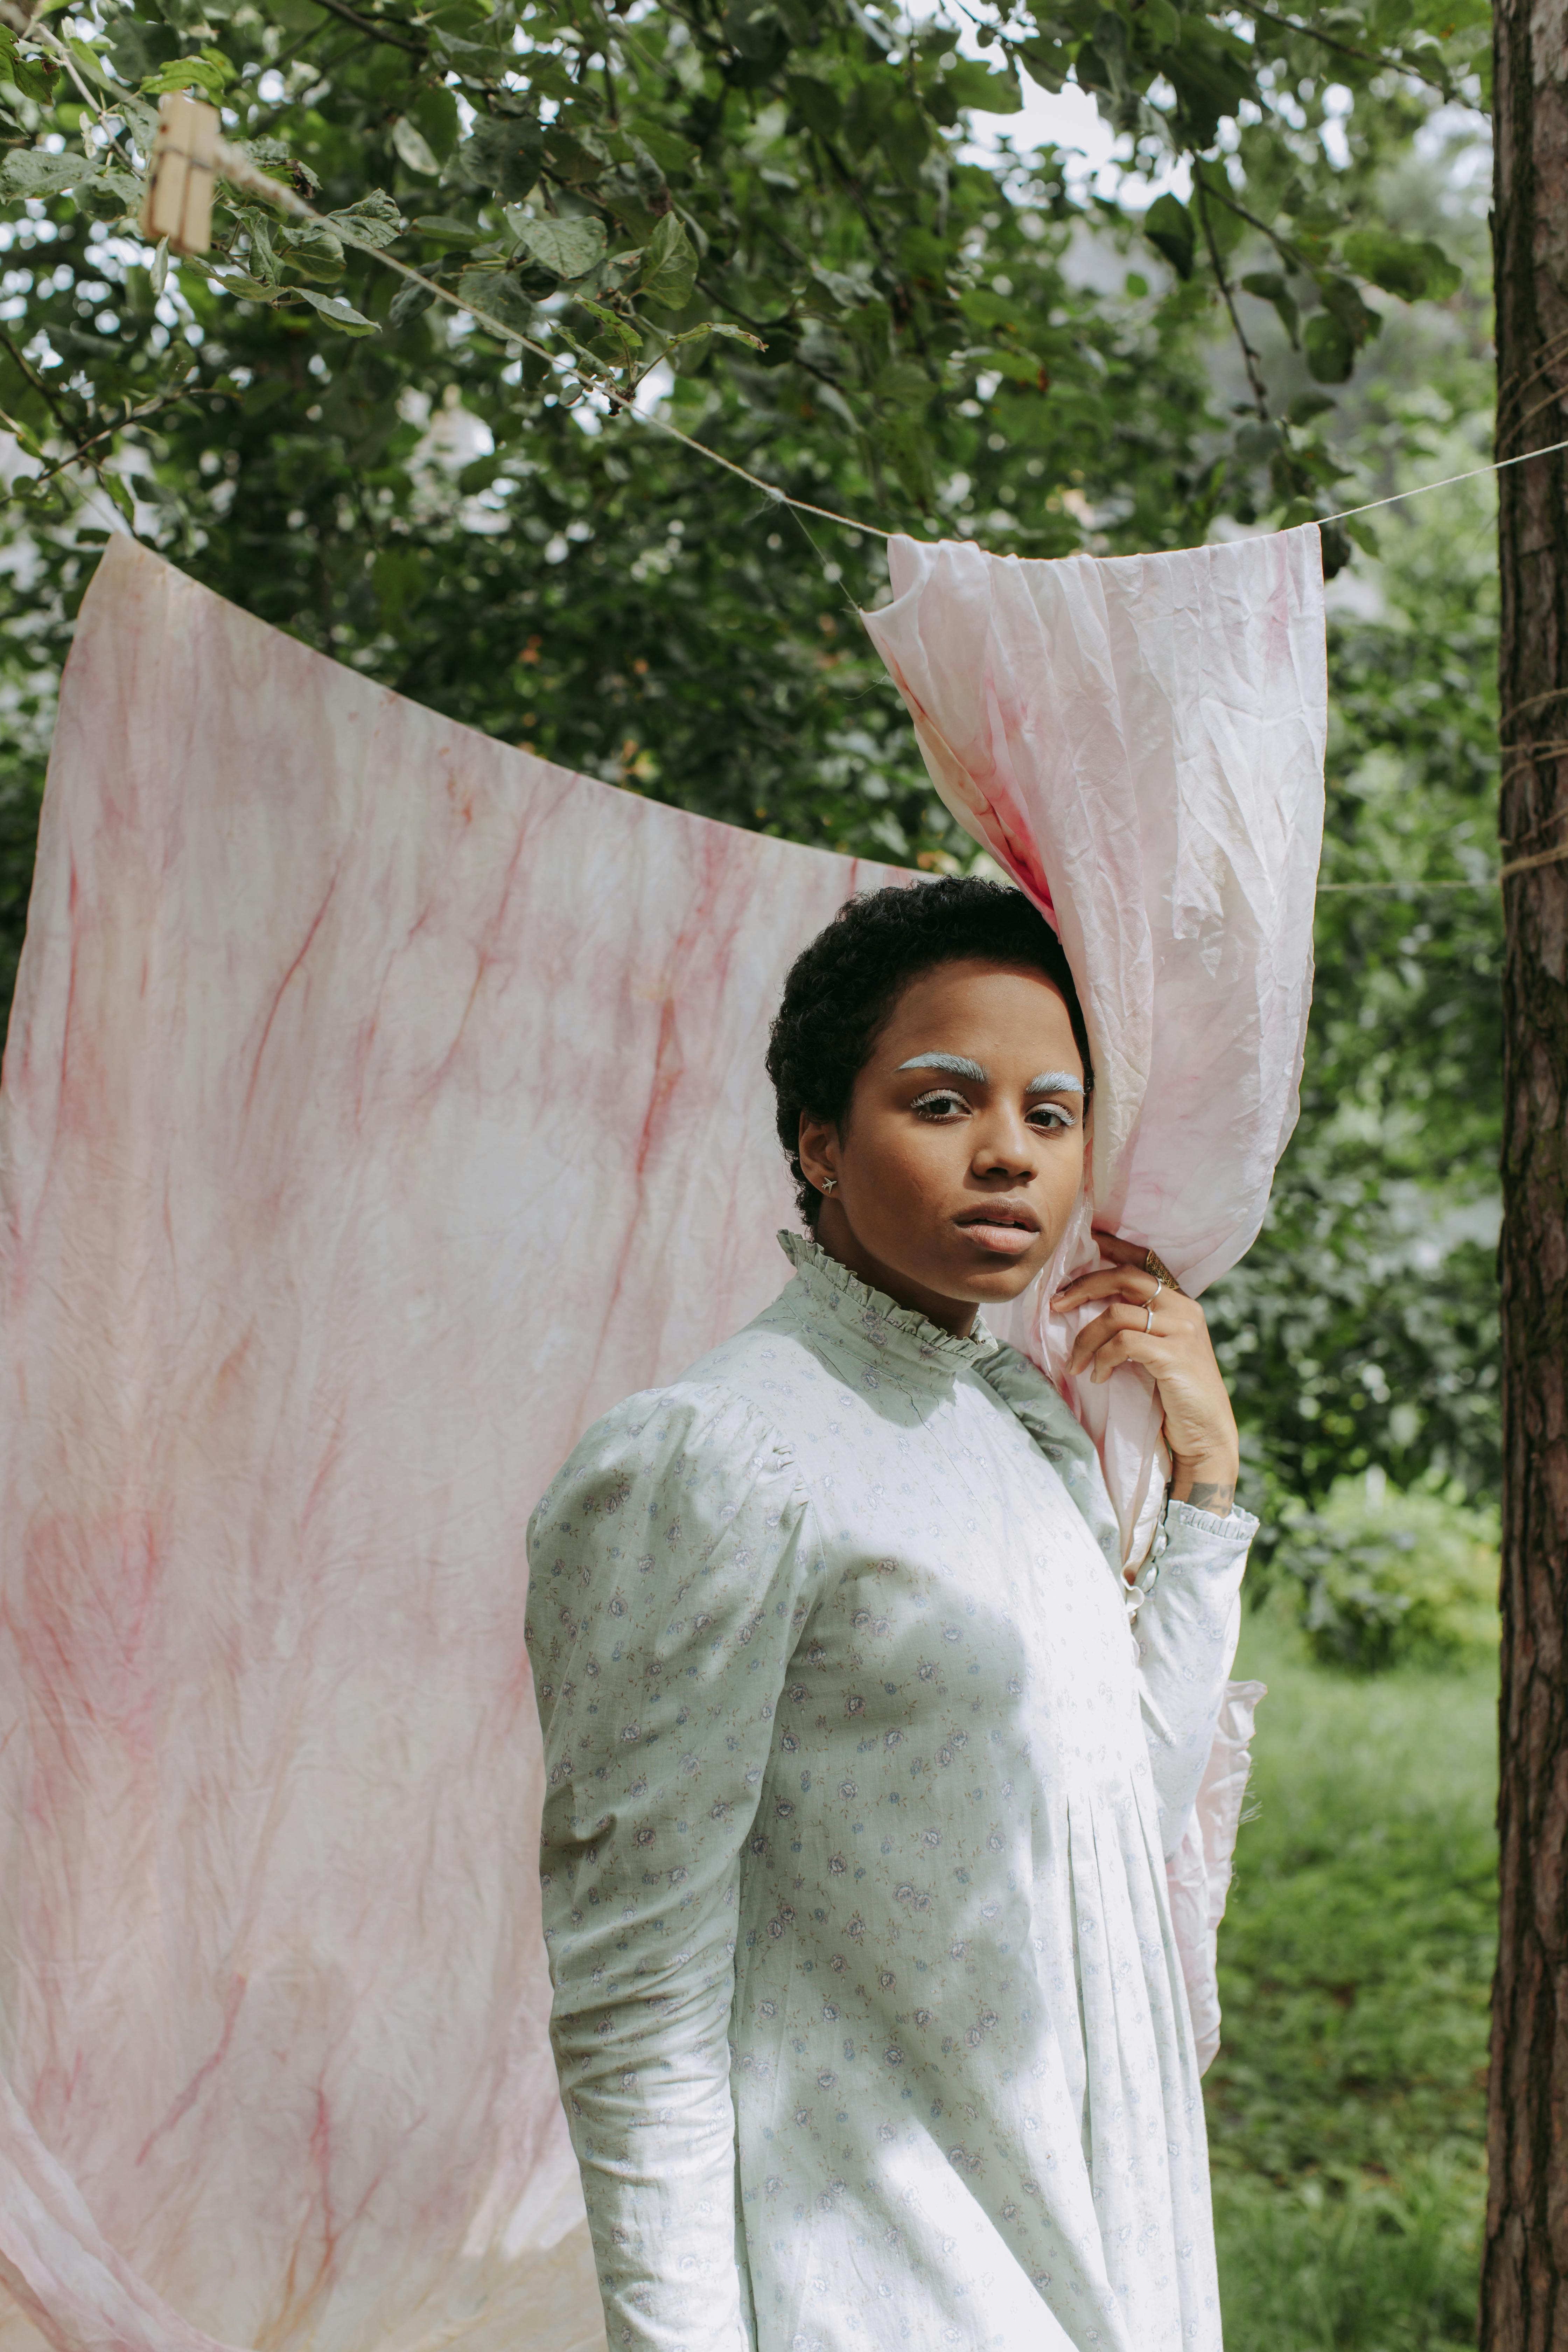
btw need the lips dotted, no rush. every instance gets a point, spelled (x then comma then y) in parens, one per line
(1002, 1213)
(1002, 1228)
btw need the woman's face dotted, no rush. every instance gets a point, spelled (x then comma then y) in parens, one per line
(961, 1157)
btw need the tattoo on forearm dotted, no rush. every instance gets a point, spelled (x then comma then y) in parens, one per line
(1209, 1495)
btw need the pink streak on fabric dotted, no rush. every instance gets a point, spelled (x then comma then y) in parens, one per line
(380, 1104)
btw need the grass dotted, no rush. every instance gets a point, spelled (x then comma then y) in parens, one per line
(1347, 2104)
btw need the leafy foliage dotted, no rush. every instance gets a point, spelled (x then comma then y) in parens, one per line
(1382, 1578)
(1361, 1329)
(636, 190)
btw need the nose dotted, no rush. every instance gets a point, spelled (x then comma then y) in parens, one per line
(1005, 1146)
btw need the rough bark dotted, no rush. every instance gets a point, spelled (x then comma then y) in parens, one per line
(1524, 2294)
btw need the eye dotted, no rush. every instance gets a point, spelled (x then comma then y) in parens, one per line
(942, 1102)
(1051, 1117)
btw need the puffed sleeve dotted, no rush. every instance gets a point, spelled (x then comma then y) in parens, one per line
(1188, 1621)
(668, 1585)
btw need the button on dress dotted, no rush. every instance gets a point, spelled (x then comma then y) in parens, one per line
(860, 1781)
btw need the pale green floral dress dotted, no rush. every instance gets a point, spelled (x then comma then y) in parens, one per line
(868, 2019)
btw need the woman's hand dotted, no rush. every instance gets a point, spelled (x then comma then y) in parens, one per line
(1175, 1346)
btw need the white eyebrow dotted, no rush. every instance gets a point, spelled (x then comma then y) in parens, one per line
(958, 1063)
(1055, 1082)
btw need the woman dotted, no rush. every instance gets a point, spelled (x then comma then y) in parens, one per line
(868, 2021)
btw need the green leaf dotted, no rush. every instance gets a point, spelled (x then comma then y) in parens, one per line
(311, 248)
(504, 153)
(1017, 366)
(33, 77)
(669, 266)
(373, 219)
(445, 228)
(1336, 549)
(408, 302)
(1158, 25)
(33, 171)
(413, 149)
(119, 182)
(336, 311)
(755, 28)
(1414, 272)
(1168, 225)
(1211, 74)
(1046, 62)
(435, 112)
(986, 308)
(979, 90)
(577, 155)
(499, 293)
(210, 72)
(816, 102)
(240, 282)
(674, 155)
(905, 384)
(1330, 353)
(1269, 286)
(1341, 299)
(845, 293)
(397, 577)
(906, 136)
(568, 248)
(626, 338)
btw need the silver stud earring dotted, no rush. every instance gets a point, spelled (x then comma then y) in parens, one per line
(828, 1185)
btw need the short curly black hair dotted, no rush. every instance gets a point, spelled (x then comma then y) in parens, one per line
(841, 989)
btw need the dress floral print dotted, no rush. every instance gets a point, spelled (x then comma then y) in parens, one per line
(861, 1772)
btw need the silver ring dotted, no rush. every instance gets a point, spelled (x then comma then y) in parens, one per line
(1159, 1286)
(1149, 1313)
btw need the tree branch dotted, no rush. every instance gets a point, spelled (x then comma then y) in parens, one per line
(1250, 357)
(1346, 49)
(39, 386)
(368, 25)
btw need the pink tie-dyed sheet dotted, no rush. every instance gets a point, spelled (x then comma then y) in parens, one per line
(380, 1104)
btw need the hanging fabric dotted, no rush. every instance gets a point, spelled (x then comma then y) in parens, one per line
(380, 1105)
(1138, 740)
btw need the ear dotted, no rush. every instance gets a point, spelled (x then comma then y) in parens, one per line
(818, 1148)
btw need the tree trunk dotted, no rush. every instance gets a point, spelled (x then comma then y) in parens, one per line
(1524, 2288)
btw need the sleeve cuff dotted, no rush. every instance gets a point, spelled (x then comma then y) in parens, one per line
(1234, 1527)
(1189, 1528)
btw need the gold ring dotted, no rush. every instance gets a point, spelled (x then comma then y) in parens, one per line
(1156, 1264)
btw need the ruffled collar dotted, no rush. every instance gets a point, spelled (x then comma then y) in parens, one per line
(839, 1306)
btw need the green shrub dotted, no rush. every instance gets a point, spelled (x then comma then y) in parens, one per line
(1378, 1577)
(1383, 2268)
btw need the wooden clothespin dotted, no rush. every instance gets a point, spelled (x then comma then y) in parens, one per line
(178, 202)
